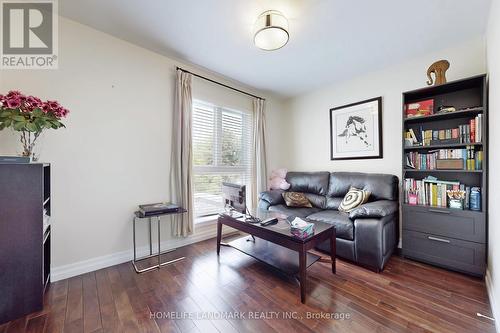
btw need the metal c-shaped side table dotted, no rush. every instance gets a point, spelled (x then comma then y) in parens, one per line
(138, 215)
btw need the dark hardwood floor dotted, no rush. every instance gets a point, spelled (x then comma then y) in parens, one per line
(406, 297)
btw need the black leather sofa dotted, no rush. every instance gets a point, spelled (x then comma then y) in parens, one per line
(368, 234)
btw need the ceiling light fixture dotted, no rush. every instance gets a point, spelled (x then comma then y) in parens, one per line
(271, 30)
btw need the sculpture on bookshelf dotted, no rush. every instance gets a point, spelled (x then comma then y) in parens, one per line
(439, 69)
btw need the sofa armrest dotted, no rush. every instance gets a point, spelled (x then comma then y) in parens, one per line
(270, 198)
(379, 208)
(375, 239)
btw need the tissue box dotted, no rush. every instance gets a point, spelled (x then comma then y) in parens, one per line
(300, 228)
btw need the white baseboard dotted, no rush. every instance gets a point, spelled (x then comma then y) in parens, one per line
(493, 303)
(66, 271)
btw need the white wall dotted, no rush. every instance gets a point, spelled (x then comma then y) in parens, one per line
(493, 56)
(115, 151)
(308, 145)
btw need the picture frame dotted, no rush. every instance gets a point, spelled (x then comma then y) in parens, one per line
(356, 130)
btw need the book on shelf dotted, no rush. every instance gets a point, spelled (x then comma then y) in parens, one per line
(46, 221)
(411, 135)
(468, 158)
(472, 127)
(434, 193)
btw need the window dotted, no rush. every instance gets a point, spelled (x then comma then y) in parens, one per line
(222, 140)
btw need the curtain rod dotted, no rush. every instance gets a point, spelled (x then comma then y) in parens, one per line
(220, 84)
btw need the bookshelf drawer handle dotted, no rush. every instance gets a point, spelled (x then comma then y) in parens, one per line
(438, 239)
(439, 211)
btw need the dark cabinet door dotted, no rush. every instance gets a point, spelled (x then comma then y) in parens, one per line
(21, 211)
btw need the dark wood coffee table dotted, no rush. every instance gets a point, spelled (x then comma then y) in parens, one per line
(276, 246)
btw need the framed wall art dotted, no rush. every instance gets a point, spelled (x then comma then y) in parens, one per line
(356, 130)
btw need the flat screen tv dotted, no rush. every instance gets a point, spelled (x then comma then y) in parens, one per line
(234, 196)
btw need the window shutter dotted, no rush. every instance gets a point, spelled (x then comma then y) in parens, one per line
(222, 140)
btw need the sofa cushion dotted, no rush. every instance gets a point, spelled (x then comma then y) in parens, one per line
(296, 199)
(354, 198)
(316, 200)
(292, 211)
(344, 227)
(310, 182)
(333, 202)
(381, 186)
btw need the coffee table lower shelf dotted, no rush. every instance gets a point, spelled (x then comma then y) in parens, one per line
(277, 256)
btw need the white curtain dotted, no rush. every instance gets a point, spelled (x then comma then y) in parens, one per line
(181, 164)
(259, 163)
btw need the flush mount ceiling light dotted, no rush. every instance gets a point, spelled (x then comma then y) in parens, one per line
(271, 30)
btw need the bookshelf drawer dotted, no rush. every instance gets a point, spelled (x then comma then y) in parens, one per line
(458, 224)
(447, 252)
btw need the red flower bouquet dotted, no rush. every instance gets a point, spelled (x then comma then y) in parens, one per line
(30, 116)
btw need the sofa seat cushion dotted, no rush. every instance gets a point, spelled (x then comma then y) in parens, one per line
(344, 227)
(293, 211)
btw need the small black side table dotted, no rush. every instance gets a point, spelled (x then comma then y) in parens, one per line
(138, 215)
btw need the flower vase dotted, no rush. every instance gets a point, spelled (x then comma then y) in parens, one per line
(31, 145)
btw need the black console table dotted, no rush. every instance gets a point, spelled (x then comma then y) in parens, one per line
(138, 216)
(25, 233)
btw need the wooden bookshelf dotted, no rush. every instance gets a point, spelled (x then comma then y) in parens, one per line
(446, 237)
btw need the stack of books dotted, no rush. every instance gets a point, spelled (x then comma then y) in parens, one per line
(472, 132)
(14, 159)
(471, 159)
(420, 161)
(433, 192)
(158, 208)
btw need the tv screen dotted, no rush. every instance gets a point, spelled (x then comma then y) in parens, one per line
(234, 195)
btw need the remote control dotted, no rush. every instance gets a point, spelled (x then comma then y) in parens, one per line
(269, 222)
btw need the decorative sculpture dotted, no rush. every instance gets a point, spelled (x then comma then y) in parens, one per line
(439, 69)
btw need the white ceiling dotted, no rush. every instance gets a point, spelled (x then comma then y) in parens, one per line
(330, 40)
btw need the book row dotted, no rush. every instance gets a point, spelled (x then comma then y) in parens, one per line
(444, 194)
(466, 133)
(456, 159)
